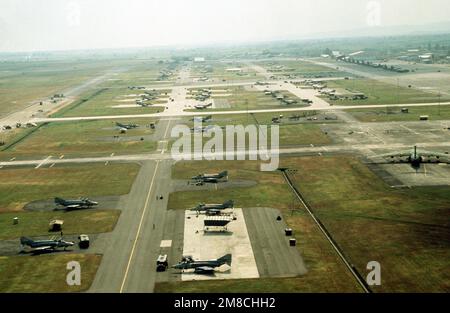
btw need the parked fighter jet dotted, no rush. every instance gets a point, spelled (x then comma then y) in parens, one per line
(202, 267)
(211, 178)
(45, 245)
(414, 158)
(202, 106)
(202, 119)
(142, 103)
(212, 209)
(204, 129)
(295, 117)
(126, 126)
(83, 203)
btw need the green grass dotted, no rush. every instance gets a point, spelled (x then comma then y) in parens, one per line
(141, 73)
(267, 193)
(23, 185)
(405, 230)
(380, 93)
(92, 137)
(393, 114)
(75, 222)
(24, 82)
(45, 273)
(290, 134)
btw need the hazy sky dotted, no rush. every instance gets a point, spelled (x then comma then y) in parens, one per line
(27, 25)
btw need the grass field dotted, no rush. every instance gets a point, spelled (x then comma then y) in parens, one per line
(75, 222)
(20, 186)
(23, 82)
(45, 273)
(103, 101)
(290, 134)
(406, 230)
(144, 73)
(267, 193)
(393, 114)
(94, 137)
(380, 93)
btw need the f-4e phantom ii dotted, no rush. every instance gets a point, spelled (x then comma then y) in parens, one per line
(83, 203)
(203, 106)
(126, 126)
(211, 178)
(213, 209)
(202, 119)
(45, 245)
(206, 129)
(202, 267)
(414, 158)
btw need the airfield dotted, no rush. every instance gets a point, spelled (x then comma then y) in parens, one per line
(73, 148)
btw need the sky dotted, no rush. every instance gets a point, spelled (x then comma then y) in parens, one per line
(34, 25)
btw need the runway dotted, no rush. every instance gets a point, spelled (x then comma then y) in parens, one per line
(307, 150)
(128, 264)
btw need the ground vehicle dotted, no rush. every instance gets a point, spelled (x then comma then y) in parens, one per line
(84, 241)
(161, 263)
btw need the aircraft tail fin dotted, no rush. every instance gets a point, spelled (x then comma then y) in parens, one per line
(229, 203)
(59, 201)
(226, 259)
(224, 174)
(25, 241)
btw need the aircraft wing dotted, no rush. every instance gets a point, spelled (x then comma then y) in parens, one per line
(438, 155)
(204, 269)
(42, 248)
(400, 154)
(210, 180)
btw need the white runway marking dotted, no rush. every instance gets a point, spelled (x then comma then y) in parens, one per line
(43, 161)
(166, 244)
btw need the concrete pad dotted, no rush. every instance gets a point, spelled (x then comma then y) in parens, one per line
(126, 100)
(166, 244)
(213, 245)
